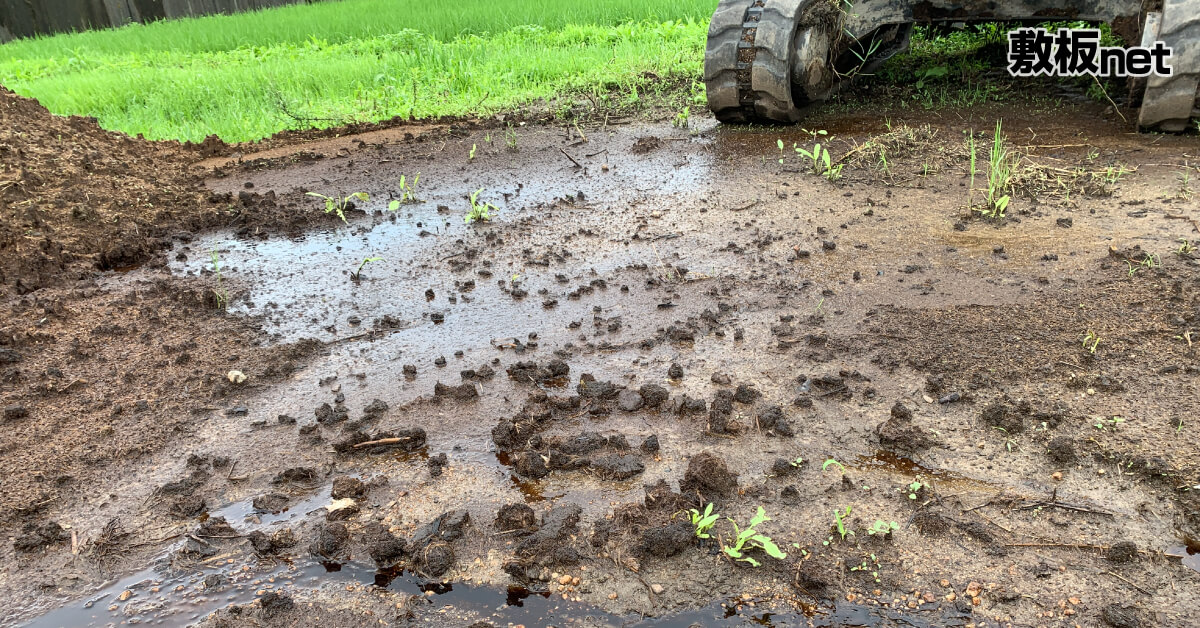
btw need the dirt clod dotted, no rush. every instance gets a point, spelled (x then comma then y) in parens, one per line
(348, 487)
(617, 467)
(515, 516)
(668, 540)
(653, 395)
(709, 477)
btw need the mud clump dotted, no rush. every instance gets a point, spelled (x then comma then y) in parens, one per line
(435, 559)
(667, 541)
(447, 527)
(331, 415)
(296, 475)
(553, 372)
(1007, 415)
(216, 528)
(684, 404)
(660, 497)
(1123, 616)
(385, 548)
(270, 502)
(15, 411)
(650, 445)
(34, 537)
(899, 434)
(348, 487)
(265, 545)
(514, 517)
(720, 414)
(1122, 552)
(746, 393)
(274, 604)
(774, 422)
(187, 507)
(549, 545)
(1061, 449)
(331, 538)
(437, 464)
(530, 464)
(617, 467)
(590, 388)
(931, 523)
(461, 392)
(630, 400)
(709, 477)
(653, 395)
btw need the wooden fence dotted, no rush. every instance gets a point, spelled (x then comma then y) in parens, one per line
(23, 18)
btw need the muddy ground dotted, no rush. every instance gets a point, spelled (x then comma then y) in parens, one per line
(501, 423)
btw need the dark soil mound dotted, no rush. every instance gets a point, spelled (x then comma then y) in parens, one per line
(79, 198)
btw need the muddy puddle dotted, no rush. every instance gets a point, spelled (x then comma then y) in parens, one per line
(151, 598)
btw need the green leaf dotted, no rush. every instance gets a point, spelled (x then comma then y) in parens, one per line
(393, 206)
(770, 547)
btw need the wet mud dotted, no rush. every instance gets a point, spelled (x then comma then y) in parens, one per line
(506, 422)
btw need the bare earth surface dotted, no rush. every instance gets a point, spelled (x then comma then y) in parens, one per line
(498, 423)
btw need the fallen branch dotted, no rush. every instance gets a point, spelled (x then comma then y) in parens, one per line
(577, 164)
(1122, 579)
(383, 441)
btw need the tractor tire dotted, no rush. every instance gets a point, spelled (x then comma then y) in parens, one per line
(1169, 103)
(751, 59)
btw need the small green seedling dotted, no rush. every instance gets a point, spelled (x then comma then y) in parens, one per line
(1185, 248)
(220, 293)
(1090, 341)
(408, 192)
(779, 143)
(1105, 425)
(750, 538)
(479, 211)
(1009, 443)
(1000, 166)
(357, 274)
(831, 462)
(839, 524)
(1151, 261)
(339, 206)
(882, 528)
(914, 488)
(797, 462)
(819, 156)
(865, 566)
(471, 155)
(510, 138)
(682, 118)
(703, 522)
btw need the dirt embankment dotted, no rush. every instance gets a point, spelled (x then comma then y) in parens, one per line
(91, 374)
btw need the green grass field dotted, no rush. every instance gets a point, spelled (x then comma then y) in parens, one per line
(249, 75)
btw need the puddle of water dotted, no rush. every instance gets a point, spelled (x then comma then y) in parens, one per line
(182, 600)
(1188, 554)
(888, 462)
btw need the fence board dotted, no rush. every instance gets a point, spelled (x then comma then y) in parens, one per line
(24, 18)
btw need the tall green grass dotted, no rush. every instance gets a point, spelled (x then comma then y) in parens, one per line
(249, 75)
(344, 20)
